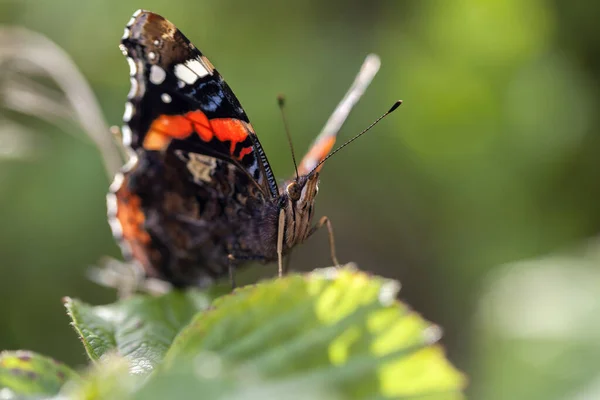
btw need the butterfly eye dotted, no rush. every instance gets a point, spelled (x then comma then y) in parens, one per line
(293, 191)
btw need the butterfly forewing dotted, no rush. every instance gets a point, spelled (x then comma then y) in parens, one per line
(177, 95)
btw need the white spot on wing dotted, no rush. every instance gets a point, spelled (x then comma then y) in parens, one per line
(133, 89)
(113, 222)
(133, 159)
(115, 227)
(201, 167)
(165, 98)
(138, 12)
(197, 68)
(111, 204)
(152, 56)
(157, 75)
(128, 112)
(132, 67)
(185, 74)
(253, 169)
(126, 133)
(125, 33)
(117, 182)
(190, 71)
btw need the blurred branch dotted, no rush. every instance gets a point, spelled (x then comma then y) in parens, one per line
(24, 52)
(29, 97)
(367, 72)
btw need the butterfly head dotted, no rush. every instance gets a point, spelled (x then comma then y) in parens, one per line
(298, 201)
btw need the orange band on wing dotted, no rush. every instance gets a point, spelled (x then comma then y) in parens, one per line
(164, 128)
(229, 129)
(201, 125)
(176, 126)
(131, 219)
(245, 150)
(167, 127)
(155, 140)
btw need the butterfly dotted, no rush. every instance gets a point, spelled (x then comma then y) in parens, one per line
(197, 197)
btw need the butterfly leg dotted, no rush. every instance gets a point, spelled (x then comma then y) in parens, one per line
(325, 221)
(280, 232)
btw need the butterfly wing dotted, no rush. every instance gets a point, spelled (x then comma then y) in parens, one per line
(179, 99)
(197, 171)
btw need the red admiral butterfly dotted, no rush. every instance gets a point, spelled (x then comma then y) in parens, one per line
(197, 197)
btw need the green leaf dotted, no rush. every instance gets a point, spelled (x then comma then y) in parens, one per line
(140, 328)
(107, 380)
(27, 373)
(338, 329)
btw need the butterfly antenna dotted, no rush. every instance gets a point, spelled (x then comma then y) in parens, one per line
(388, 112)
(281, 102)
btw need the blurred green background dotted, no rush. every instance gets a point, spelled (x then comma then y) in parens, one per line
(480, 194)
